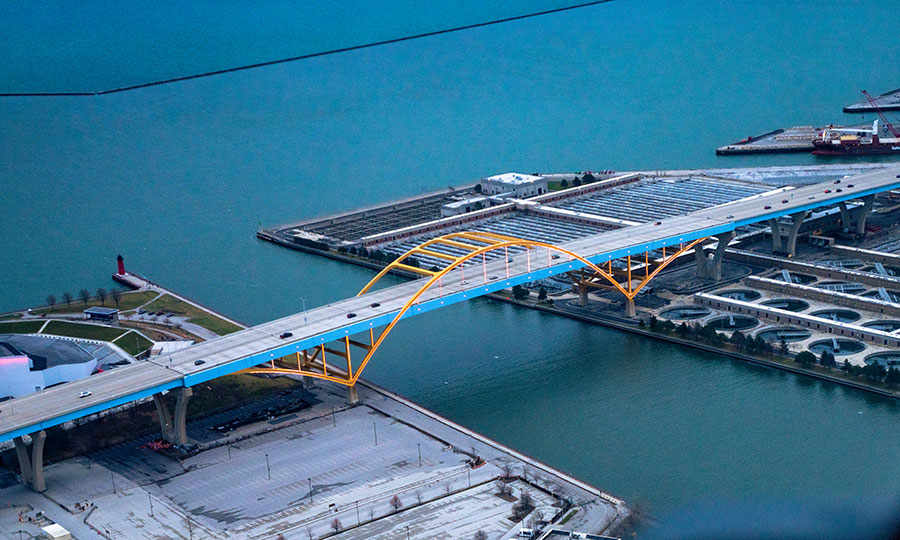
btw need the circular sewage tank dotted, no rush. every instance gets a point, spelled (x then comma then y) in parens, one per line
(844, 346)
(733, 322)
(803, 279)
(842, 286)
(889, 270)
(839, 315)
(886, 359)
(685, 312)
(886, 325)
(789, 304)
(744, 295)
(892, 296)
(788, 334)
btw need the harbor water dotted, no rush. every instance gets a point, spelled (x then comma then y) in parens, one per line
(177, 178)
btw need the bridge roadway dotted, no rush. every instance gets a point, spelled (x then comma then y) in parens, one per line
(261, 343)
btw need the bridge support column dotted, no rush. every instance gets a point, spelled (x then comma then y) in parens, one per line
(174, 427)
(719, 256)
(846, 222)
(868, 200)
(32, 468)
(703, 264)
(183, 394)
(165, 417)
(776, 235)
(629, 307)
(308, 382)
(796, 222)
(352, 395)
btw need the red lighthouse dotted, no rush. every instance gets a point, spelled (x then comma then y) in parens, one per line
(121, 261)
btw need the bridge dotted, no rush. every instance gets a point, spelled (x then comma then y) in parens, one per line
(324, 338)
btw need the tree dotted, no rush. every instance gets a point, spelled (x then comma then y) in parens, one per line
(783, 347)
(576, 182)
(542, 293)
(738, 339)
(478, 188)
(84, 295)
(519, 292)
(101, 293)
(362, 252)
(845, 367)
(762, 346)
(51, 300)
(336, 524)
(116, 294)
(827, 360)
(805, 358)
(396, 503)
(419, 496)
(67, 298)
(507, 469)
(503, 488)
(683, 330)
(588, 178)
(654, 322)
(892, 378)
(564, 183)
(480, 535)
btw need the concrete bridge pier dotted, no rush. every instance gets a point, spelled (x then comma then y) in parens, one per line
(868, 200)
(796, 222)
(352, 395)
(32, 468)
(846, 221)
(174, 427)
(308, 383)
(712, 267)
(777, 246)
(629, 307)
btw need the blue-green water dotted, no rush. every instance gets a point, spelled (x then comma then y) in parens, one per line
(178, 177)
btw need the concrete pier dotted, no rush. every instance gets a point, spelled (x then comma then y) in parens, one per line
(32, 467)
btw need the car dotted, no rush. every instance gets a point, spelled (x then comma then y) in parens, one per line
(784, 201)
(286, 335)
(142, 311)
(849, 185)
(492, 277)
(169, 314)
(464, 282)
(555, 256)
(827, 191)
(898, 176)
(729, 216)
(839, 190)
(199, 362)
(84, 394)
(375, 304)
(811, 197)
(838, 181)
(351, 315)
(767, 207)
(658, 223)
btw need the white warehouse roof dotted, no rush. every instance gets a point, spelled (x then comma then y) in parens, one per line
(514, 178)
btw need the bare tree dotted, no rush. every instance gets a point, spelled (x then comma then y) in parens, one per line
(507, 469)
(480, 535)
(51, 300)
(101, 293)
(502, 488)
(309, 533)
(525, 498)
(371, 513)
(537, 516)
(419, 496)
(67, 298)
(447, 488)
(396, 503)
(84, 295)
(116, 294)
(525, 472)
(336, 524)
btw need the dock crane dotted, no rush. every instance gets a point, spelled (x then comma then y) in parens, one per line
(884, 120)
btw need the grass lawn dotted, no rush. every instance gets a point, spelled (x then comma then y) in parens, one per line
(133, 343)
(84, 331)
(20, 327)
(129, 300)
(195, 314)
(215, 324)
(230, 390)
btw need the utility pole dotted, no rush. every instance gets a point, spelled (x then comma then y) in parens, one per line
(310, 489)
(268, 469)
(190, 529)
(375, 430)
(150, 498)
(420, 453)
(112, 475)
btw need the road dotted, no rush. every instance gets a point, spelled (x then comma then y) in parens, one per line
(261, 343)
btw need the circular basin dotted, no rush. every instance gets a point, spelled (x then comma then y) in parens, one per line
(803, 279)
(788, 334)
(842, 286)
(892, 296)
(887, 325)
(745, 295)
(886, 359)
(840, 315)
(685, 312)
(733, 322)
(789, 304)
(844, 346)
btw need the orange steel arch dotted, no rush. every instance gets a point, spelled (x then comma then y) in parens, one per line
(488, 242)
